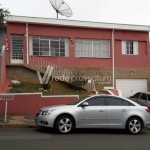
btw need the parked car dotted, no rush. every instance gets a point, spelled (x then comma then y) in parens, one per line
(141, 98)
(98, 111)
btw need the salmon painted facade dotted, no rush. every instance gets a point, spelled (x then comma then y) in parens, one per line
(116, 50)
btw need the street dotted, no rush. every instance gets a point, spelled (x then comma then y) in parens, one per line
(86, 139)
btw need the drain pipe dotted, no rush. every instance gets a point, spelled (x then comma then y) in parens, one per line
(113, 69)
(27, 43)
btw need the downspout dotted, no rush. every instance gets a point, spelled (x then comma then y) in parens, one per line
(27, 43)
(113, 69)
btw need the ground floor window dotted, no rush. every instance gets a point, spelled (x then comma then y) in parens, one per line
(92, 48)
(49, 46)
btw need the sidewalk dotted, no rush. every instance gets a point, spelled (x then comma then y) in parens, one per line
(18, 121)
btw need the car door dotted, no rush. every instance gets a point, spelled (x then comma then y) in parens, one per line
(143, 99)
(117, 111)
(93, 115)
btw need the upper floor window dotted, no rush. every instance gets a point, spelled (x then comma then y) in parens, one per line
(49, 46)
(130, 47)
(92, 48)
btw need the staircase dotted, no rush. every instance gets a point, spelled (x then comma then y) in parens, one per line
(58, 72)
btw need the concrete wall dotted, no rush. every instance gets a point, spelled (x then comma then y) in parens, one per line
(29, 104)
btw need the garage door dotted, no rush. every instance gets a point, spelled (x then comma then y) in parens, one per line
(130, 86)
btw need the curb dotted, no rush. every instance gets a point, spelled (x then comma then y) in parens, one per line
(18, 126)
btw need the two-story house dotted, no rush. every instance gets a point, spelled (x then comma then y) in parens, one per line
(114, 55)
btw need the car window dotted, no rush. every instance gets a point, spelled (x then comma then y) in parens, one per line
(125, 103)
(111, 101)
(143, 96)
(148, 97)
(97, 101)
(137, 95)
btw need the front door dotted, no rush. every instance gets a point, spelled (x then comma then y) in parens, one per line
(117, 112)
(17, 53)
(93, 115)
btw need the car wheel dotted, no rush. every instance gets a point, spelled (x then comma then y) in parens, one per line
(134, 125)
(64, 124)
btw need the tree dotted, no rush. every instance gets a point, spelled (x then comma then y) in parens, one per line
(4, 14)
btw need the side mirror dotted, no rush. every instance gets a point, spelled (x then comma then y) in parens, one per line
(84, 104)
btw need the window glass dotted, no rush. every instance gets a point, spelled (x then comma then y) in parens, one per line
(111, 101)
(49, 46)
(17, 46)
(92, 48)
(137, 95)
(130, 47)
(125, 103)
(98, 101)
(131, 104)
(143, 96)
(148, 97)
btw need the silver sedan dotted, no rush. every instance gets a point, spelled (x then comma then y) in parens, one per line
(98, 111)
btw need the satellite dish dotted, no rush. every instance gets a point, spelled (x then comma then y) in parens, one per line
(61, 8)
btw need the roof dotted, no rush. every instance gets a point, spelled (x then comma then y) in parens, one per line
(76, 23)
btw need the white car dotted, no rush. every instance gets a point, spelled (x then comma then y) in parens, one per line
(98, 111)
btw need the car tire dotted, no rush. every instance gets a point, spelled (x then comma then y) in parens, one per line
(134, 125)
(64, 124)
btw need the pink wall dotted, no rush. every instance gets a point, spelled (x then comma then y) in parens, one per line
(120, 60)
(29, 104)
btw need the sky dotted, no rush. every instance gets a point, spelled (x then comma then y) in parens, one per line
(109, 11)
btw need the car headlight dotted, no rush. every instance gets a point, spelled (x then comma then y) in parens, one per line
(47, 112)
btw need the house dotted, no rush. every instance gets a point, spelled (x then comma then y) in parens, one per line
(110, 55)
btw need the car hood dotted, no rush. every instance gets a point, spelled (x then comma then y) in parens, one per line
(56, 107)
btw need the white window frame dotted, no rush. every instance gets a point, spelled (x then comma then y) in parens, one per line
(48, 40)
(90, 51)
(135, 48)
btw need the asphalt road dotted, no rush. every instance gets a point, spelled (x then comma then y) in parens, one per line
(45, 139)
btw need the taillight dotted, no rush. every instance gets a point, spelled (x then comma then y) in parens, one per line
(148, 110)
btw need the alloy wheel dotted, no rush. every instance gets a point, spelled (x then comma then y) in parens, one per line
(135, 126)
(65, 125)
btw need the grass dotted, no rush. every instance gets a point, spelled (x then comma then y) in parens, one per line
(34, 88)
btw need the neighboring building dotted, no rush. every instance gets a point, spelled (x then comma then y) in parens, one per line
(95, 48)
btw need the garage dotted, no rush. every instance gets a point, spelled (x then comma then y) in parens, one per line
(131, 86)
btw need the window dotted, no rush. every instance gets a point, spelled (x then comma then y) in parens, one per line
(126, 103)
(143, 97)
(148, 97)
(114, 101)
(17, 46)
(98, 101)
(137, 95)
(130, 47)
(92, 48)
(49, 46)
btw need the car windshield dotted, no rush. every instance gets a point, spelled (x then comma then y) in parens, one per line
(75, 102)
